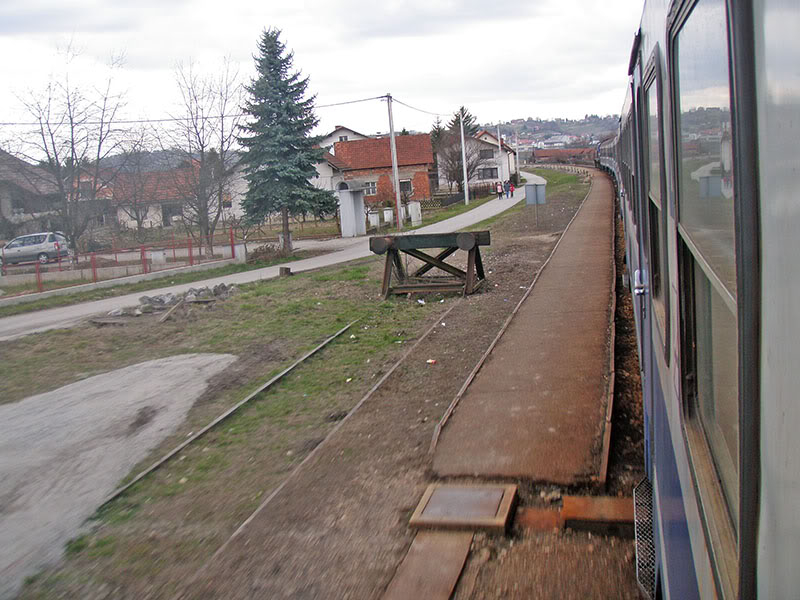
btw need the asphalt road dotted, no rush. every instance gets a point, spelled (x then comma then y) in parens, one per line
(64, 317)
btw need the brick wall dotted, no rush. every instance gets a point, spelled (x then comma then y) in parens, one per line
(417, 174)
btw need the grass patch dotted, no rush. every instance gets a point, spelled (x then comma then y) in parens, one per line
(131, 288)
(77, 545)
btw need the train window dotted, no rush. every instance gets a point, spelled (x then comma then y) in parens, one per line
(657, 246)
(707, 258)
(653, 145)
(706, 175)
(717, 403)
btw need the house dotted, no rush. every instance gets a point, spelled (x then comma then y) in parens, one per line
(340, 134)
(494, 163)
(150, 199)
(504, 158)
(329, 172)
(369, 161)
(28, 196)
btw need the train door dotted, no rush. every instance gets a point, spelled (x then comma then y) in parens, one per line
(642, 275)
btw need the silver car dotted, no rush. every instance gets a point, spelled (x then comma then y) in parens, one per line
(35, 246)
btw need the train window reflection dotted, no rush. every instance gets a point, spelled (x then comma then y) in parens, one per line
(654, 144)
(706, 178)
(717, 384)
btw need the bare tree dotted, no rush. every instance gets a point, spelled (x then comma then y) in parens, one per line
(75, 131)
(204, 138)
(449, 158)
(140, 185)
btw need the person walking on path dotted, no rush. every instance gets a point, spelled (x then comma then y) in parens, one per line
(512, 189)
(499, 190)
(507, 188)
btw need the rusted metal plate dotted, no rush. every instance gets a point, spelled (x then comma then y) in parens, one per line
(486, 507)
(538, 519)
(431, 568)
(600, 514)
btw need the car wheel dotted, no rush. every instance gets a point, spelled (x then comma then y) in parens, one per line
(43, 258)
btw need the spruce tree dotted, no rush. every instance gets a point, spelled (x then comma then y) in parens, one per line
(279, 154)
(470, 126)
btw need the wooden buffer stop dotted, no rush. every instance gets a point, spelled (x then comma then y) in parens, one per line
(456, 279)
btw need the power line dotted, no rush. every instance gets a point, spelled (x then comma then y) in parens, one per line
(176, 119)
(435, 114)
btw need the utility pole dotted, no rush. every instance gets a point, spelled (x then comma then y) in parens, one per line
(395, 173)
(516, 158)
(499, 153)
(464, 160)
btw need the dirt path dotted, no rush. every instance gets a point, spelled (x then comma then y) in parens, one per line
(62, 452)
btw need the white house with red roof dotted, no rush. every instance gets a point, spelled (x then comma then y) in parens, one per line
(504, 158)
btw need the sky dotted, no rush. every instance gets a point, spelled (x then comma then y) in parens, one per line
(502, 60)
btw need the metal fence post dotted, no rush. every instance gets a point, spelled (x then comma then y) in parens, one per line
(144, 259)
(233, 246)
(94, 267)
(191, 257)
(39, 285)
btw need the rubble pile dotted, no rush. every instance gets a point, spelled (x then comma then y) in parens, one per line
(160, 302)
(266, 253)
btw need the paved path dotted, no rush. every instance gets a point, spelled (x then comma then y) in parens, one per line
(67, 316)
(536, 408)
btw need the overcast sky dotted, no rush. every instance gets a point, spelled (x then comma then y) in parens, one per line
(504, 59)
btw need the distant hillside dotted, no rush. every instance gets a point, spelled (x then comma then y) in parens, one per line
(591, 126)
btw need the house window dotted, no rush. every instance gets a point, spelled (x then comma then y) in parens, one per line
(406, 189)
(486, 154)
(370, 188)
(487, 173)
(342, 138)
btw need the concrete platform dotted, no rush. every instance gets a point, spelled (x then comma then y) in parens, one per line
(536, 409)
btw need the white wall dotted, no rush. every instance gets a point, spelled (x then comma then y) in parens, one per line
(328, 141)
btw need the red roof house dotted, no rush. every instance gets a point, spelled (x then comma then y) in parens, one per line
(370, 161)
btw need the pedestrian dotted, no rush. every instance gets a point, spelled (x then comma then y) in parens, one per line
(499, 190)
(507, 188)
(512, 189)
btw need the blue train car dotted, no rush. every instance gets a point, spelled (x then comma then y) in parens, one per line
(707, 166)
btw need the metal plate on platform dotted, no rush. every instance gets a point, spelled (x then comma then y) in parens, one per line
(465, 507)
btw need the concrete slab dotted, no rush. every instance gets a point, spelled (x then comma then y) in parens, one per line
(486, 507)
(536, 409)
(431, 568)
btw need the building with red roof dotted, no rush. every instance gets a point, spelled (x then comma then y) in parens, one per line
(369, 162)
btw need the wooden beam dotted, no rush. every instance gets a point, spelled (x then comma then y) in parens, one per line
(440, 264)
(441, 256)
(381, 244)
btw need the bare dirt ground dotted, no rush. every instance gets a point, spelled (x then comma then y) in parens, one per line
(339, 528)
(63, 451)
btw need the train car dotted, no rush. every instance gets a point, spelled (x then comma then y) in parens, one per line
(707, 162)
